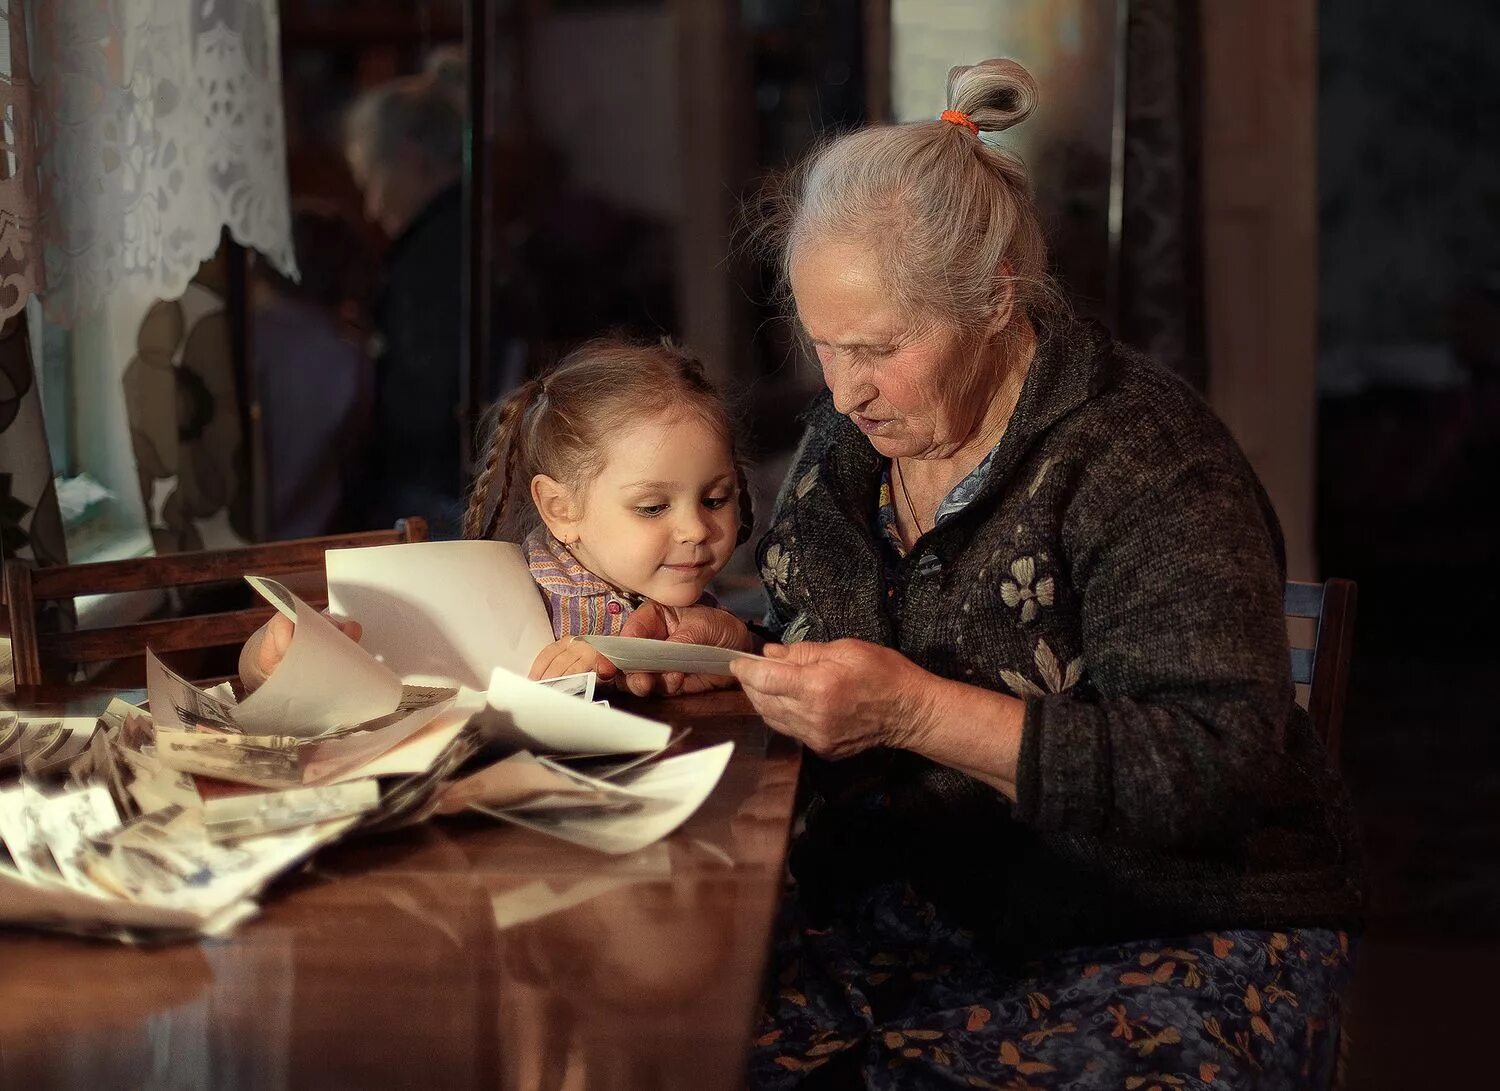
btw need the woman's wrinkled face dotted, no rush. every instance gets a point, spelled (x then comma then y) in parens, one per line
(909, 386)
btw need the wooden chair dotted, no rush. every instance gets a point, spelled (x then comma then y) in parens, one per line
(1324, 667)
(47, 658)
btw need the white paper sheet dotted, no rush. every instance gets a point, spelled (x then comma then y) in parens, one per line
(349, 754)
(505, 783)
(611, 795)
(524, 782)
(259, 813)
(217, 876)
(542, 720)
(324, 681)
(42, 746)
(154, 786)
(617, 769)
(49, 901)
(682, 783)
(574, 685)
(277, 594)
(22, 836)
(177, 704)
(53, 903)
(442, 612)
(417, 753)
(635, 653)
(68, 819)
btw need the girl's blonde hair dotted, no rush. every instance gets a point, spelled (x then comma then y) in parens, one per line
(559, 425)
(950, 216)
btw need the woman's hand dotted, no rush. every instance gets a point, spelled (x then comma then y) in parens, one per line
(840, 698)
(848, 696)
(267, 646)
(566, 656)
(685, 625)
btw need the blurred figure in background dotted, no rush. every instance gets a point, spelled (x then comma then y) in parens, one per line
(404, 142)
(312, 374)
(447, 67)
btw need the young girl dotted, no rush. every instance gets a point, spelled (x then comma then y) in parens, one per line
(619, 468)
(617, 471)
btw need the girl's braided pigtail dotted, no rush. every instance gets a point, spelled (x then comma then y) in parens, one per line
(483, 516)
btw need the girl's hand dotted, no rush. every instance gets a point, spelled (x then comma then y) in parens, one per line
(566, 656)
(839, 698)
(267, 646)
(686, 625)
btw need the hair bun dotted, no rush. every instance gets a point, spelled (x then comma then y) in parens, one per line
(995, 94)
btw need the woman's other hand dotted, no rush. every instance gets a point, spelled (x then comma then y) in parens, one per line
(839, 698)
(685, 625)
(566, 656)
(267, 646)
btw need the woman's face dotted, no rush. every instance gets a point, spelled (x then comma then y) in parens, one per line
(913, 388)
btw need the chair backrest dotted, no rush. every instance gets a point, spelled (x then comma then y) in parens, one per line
(1324, 667)
(49, 657)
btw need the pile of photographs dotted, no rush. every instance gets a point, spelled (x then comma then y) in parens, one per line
(168, 820)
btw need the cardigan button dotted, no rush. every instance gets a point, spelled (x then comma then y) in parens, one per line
(613, 607)
(929, 564)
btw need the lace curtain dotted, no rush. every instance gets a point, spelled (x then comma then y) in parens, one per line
(30, 524)
(20, 267)
(141, 130)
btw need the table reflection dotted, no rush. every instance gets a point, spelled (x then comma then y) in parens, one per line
(459, 953)
(217, 1013)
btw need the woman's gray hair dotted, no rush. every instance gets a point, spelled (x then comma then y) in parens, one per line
(416, 111)
(447, 66)
(950, 216)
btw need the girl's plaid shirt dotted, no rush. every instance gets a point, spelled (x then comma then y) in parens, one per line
(579, 602)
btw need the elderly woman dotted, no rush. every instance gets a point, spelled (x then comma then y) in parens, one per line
(1066, 824)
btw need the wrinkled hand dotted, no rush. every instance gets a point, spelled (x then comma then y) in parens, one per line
(838, 698)
(267, 646)
(686, 625)
(567, 656)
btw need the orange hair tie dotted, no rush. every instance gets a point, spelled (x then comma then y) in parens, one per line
(958, 117)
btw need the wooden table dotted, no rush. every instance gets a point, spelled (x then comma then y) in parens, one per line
(463, 953)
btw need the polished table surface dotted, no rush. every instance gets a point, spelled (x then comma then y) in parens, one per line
(460, 953)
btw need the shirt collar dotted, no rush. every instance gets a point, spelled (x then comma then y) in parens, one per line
(557, 571)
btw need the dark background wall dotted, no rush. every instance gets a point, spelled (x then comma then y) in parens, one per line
(1408, 476)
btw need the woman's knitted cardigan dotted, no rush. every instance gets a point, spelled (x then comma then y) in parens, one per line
(1121, 571)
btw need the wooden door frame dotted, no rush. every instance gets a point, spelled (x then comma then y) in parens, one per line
(1261, 248)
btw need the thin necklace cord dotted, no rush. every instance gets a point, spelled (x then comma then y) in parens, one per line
(901, 477)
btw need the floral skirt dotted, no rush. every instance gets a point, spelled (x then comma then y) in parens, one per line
(894, 996)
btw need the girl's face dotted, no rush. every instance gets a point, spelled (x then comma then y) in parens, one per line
(660, 519)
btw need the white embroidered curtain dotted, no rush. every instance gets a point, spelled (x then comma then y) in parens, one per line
(143, 128)
(20, 264)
